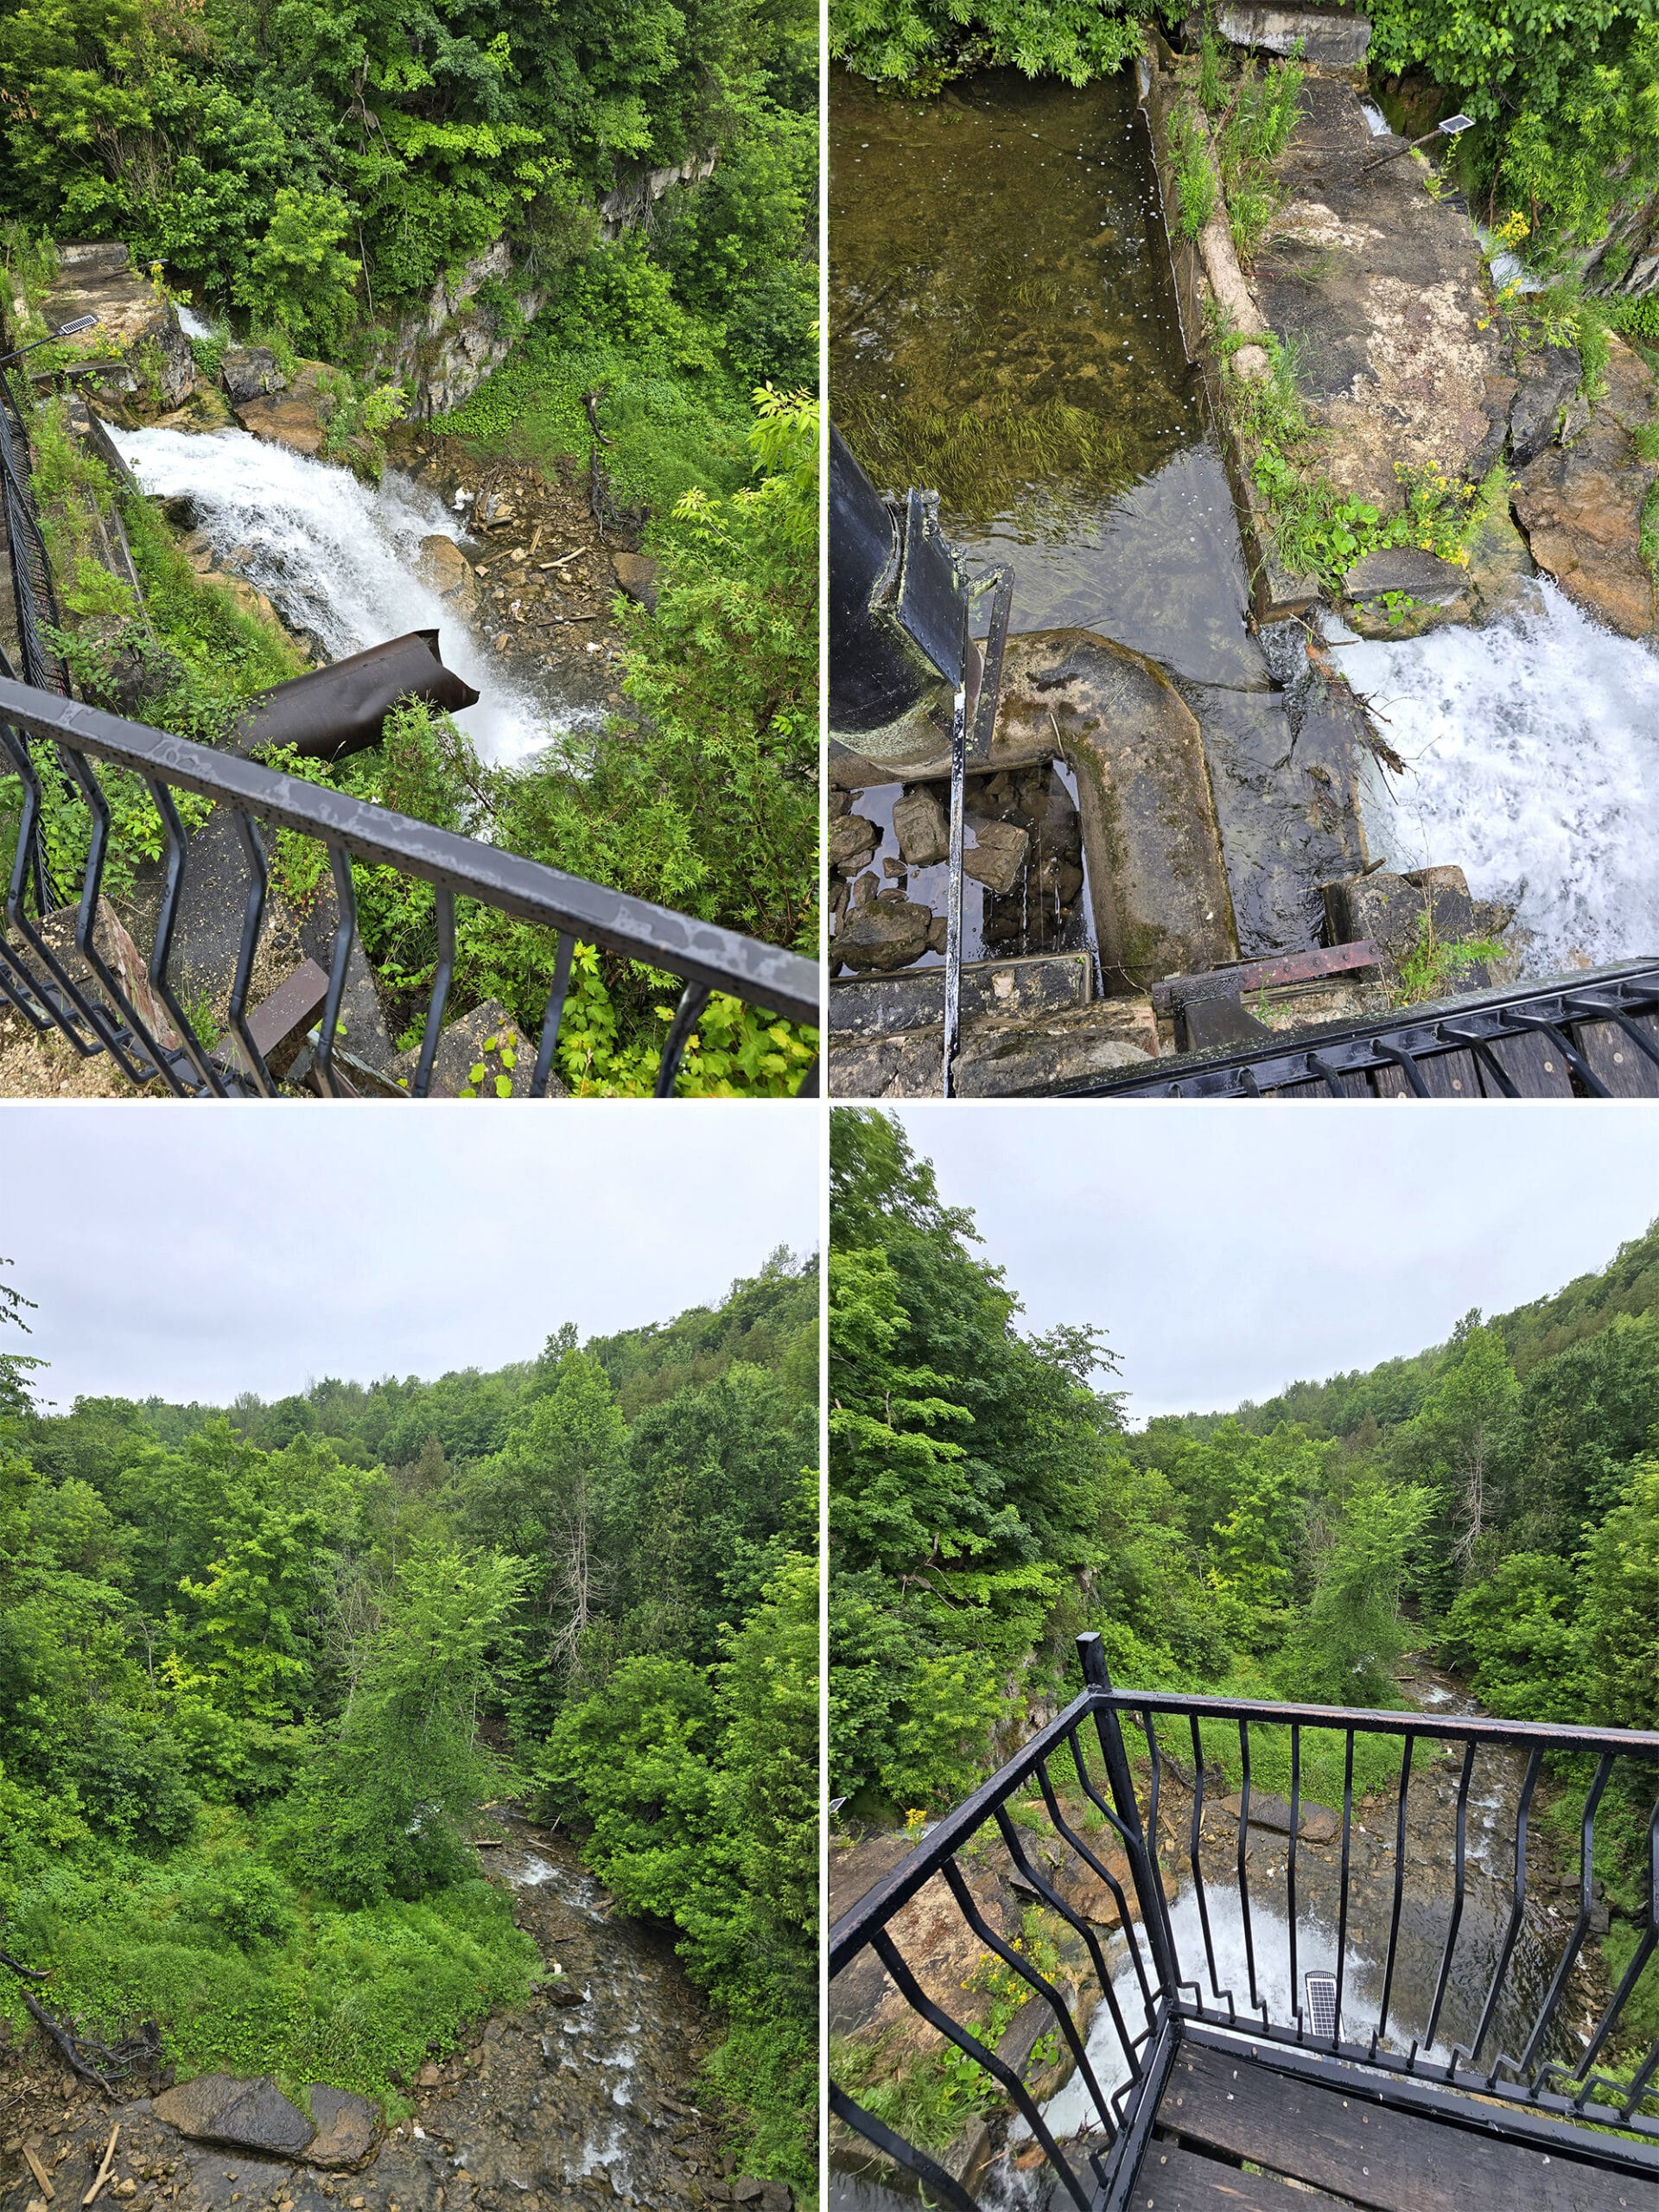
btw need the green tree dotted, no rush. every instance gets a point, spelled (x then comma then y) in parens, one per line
(385, 1805)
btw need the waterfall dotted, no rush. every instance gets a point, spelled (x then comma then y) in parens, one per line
(1533, 751)
(337, 557)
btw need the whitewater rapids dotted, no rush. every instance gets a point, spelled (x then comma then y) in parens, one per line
(337, 557)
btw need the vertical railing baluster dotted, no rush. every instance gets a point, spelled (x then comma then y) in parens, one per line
(1382, 2027)
(1459, 1885)
(444, 907)
(1111, 1881)
(1517, 1909)
(86, 931)
(1197, 1869)
(1342, 1904)
(555, 1014)
(1639, 1958)
(1256, 2004)
(340, 862)
(1149, 1888)
(1535, 2050)
(1290, 1866)
(253, 915)
(693, 999)
(172, 894)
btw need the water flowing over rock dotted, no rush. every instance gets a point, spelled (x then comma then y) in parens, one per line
(1533, 758)
(341, 559)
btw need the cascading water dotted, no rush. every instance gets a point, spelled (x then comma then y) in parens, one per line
(1532, 747)
(337, 557)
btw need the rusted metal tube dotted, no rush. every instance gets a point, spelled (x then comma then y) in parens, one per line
(341, 709)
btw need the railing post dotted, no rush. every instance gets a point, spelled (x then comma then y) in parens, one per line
(1154, 1914)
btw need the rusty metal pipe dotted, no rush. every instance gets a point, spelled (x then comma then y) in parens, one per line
(342, 709)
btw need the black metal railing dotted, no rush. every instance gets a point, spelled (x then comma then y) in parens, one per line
(1466, 1992)
(41, 733)
(32, 599)
(1590, 1036)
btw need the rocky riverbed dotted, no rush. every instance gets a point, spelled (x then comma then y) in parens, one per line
(583, 2096)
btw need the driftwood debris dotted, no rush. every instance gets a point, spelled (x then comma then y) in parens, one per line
(86, 2058)
(39, 2174)
(105, 2170)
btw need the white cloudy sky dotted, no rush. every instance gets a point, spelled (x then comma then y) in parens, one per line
(1229, 1250)
(194, 1252)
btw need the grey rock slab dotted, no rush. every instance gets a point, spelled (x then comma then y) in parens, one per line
(1004, 1060)
(250, 2115)
(1332, 38)
(1315, 1823)
(1406, 568)
(250, 372)
(478, 1039)
(884, 933)
(996, 855)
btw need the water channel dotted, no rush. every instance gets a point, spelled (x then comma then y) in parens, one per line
(1004, 329)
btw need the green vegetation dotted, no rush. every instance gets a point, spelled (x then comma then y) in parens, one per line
(308, 177)
(1433, 966)
(1493, 1500)
(260, 1667)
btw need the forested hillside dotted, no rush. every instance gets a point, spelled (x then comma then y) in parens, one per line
(1494, 1500)
(260, 1667)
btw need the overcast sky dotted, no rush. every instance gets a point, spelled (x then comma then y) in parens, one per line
(1229, 1250)
(195, 1252)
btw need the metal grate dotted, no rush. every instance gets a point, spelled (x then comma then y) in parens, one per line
(1321, 1993)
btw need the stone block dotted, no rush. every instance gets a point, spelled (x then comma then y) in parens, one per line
(1390, 909)
(884, 933)
(1549, 381)
(996, 855)
(250, 372)
(637, 575)
(993, 991)
(244, 2115)
(920, 825)
(482, 1054)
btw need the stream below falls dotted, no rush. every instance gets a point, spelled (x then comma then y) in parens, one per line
(1003, 328)
(337, 558)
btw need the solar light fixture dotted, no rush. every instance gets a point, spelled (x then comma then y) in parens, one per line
(1322, 2003)
(64, 330)
(1452, 127)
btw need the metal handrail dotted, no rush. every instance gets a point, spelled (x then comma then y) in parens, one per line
(708, 957)
(1153, 2001)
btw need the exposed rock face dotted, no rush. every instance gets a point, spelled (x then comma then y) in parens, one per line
(1381, 285)
(1425, 576)
(142, 321)
(637, 193)
(250, 372)
(1314, 1823)
(636, 573)
(347, 2126)
(444, 568)
(1580, 504)
(296, 416)
(1333, 37)
(1549, 379)
(1493, 583)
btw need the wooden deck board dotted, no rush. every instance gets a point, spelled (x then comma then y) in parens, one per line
(1174, 2180)
(1366, 2154)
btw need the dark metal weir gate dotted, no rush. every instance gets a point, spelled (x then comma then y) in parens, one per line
(42, 735)
(1196, 1990)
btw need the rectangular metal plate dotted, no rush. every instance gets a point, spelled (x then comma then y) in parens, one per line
(933, 609)
(1267, 974)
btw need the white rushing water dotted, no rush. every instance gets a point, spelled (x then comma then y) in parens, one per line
(1533, 751)
(337, 557)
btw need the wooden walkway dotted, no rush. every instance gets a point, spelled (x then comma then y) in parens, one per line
(1319, 2151)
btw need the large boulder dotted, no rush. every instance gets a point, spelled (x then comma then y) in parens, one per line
(1580, 504)
(1333, 37)
(445, 570)
(296, 416)
(251, 2115)
(1550, 379)
(250, 372)
(348, 2126)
